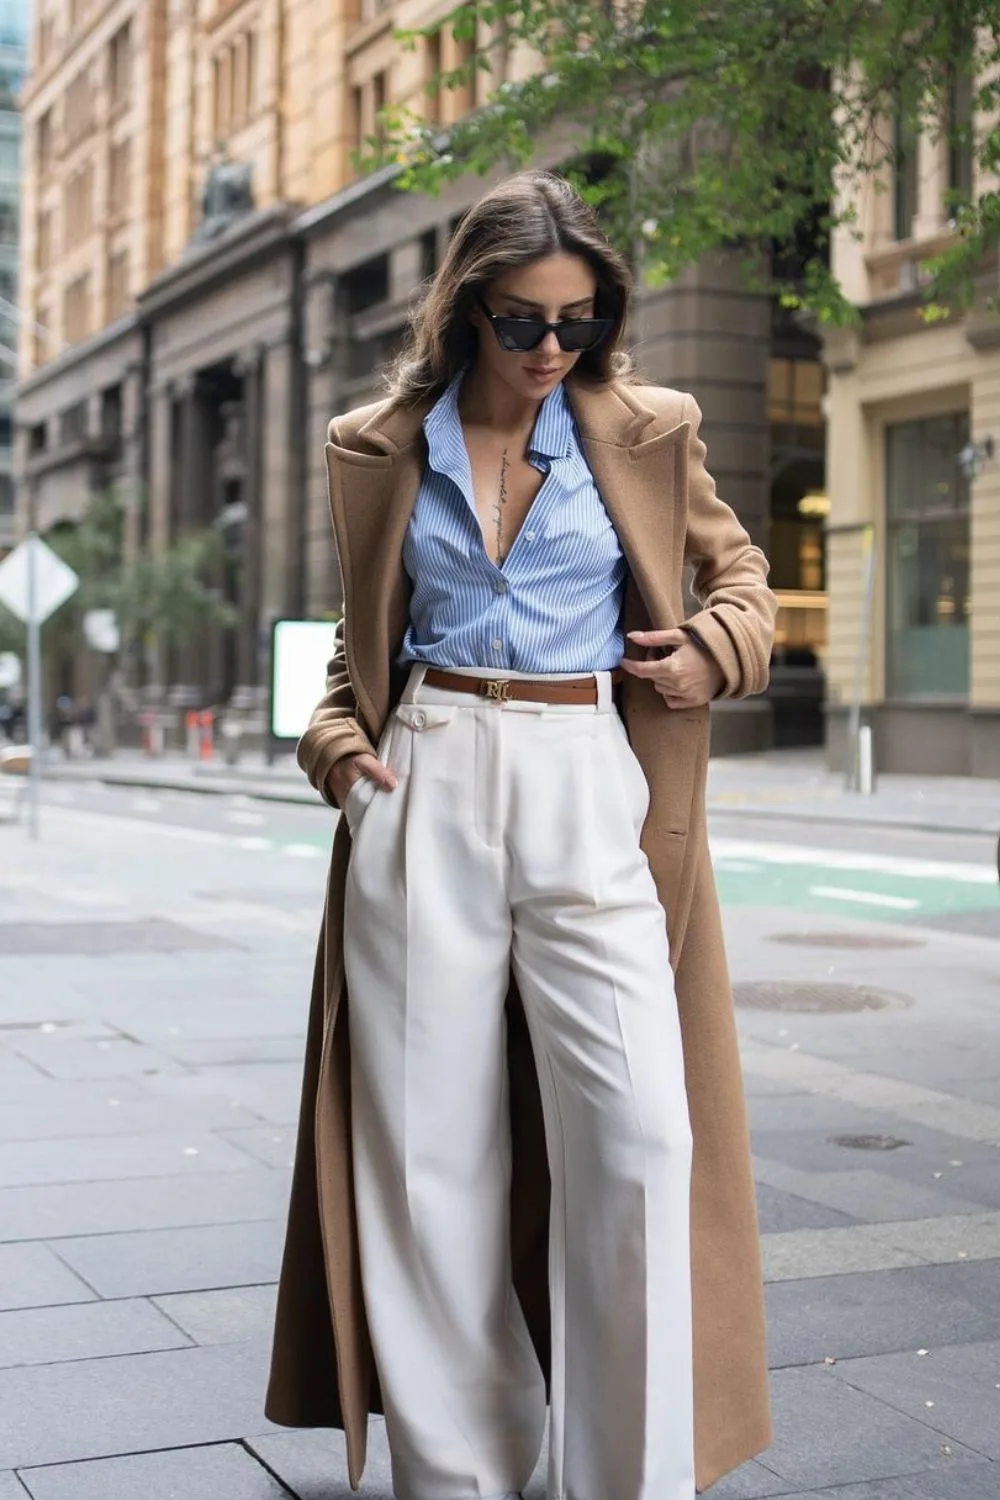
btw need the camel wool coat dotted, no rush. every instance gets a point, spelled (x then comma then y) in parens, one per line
(647, 459)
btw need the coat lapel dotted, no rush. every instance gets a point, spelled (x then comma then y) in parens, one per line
(371, 500)
(642, 484)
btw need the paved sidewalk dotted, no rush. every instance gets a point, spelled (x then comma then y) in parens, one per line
(776, 784)
(153, 989)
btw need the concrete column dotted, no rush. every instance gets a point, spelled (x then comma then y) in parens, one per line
(250, 366)
(278, 505)
(710, 335)
(161, 416)
(190, 506)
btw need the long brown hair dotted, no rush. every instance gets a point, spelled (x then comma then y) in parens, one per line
(529, 216)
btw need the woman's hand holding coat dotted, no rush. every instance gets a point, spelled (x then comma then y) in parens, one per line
(687, 676)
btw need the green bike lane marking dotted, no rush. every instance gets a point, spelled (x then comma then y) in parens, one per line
(880, 887)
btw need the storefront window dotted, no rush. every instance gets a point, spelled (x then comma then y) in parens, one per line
(928, 559)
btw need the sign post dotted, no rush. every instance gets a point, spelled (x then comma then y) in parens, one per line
(34, 581)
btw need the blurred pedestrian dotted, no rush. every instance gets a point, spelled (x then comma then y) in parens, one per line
(513, 706)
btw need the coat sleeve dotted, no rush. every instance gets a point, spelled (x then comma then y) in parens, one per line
(736, 621)
(333, 731)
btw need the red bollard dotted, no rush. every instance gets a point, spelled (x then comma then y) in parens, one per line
(206, 721)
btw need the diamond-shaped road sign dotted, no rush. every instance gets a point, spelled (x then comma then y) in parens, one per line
(54, 580)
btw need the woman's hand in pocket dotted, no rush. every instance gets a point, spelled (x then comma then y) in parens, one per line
(344, 773)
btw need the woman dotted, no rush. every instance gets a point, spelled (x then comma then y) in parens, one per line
(522, 929)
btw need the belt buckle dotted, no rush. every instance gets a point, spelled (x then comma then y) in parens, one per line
(496, 689)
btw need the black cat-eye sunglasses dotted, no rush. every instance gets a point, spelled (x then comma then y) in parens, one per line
(521, 335)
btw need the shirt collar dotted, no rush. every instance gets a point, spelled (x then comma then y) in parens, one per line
(551, 436)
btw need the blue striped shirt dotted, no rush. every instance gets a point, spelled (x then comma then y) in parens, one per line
(555, 604)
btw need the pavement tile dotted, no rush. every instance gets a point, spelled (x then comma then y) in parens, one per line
(178, 1260)
(870, 1196)
(11, 1488)
(90, 1160)
(749, 1482)
(970, 1481)
(34, 1276)
(882, 1312)
(100, 1408)
(52, 1211)
(223, 1472)
(779, 1212)
(924, 1152)
(85, 1330)
(109, 1057)
(275, 1148)
(313, 1463)
(222, 1317)
(110, 1111)
(238, 1050)
(827, 1433)
(962, 1382)
(831, 1252)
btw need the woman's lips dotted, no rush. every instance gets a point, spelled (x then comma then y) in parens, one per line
(543, 374)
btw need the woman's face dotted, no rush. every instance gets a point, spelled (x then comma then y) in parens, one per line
(557, 287)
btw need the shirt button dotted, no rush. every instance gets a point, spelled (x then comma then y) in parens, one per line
(501, 586)
(497, 644)
(530, 536)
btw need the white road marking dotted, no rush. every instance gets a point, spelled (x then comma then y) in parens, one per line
(253, 841)
(245, 819)
(302, 851)
(865, 898)
(737, 866)
(842, 859)
(146, 804)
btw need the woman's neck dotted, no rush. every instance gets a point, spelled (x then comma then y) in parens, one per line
(486, 402)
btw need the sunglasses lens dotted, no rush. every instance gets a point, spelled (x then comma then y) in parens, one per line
(519, 335)
(580, 334)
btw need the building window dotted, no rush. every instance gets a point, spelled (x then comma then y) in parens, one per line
(43, 143)
(906, 183)
(234, 83)
(8, 284)
(73, 422)
(465, 97)
(39, 354)
(78, 115)
(119, 177)
(6, 495)
(927, 513)
(76, 309)
(43, 241)
(380, 95)
(795, 392)
(46, 39)
(117, 285)
(120, 65)
(432, 74)
(365, 286)
(960, 137)
(10, 222)
(78, 201)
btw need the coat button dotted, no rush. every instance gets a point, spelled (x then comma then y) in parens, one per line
(419, 720)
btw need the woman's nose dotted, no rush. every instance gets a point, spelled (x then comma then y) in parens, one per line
(550, 344)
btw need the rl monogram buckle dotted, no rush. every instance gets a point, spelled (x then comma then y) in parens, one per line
(497, 689)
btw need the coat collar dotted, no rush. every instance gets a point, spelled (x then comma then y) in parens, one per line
(612, 413)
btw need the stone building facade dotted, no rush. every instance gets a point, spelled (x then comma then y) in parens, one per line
(267, 286)
(914, 482)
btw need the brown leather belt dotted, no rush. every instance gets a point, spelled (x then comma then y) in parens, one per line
(519, 689)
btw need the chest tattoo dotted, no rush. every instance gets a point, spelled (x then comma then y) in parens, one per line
(498, 510)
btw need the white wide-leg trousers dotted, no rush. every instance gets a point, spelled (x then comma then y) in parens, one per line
(512, 838)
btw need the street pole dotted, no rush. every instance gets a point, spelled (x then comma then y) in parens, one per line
(34, 687)
(853, 780)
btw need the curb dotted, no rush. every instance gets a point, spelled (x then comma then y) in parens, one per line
(305, 796)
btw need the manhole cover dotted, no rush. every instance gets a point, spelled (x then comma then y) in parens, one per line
(870, 1142)
(154, 935)
(844, 940)
(815, 999)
